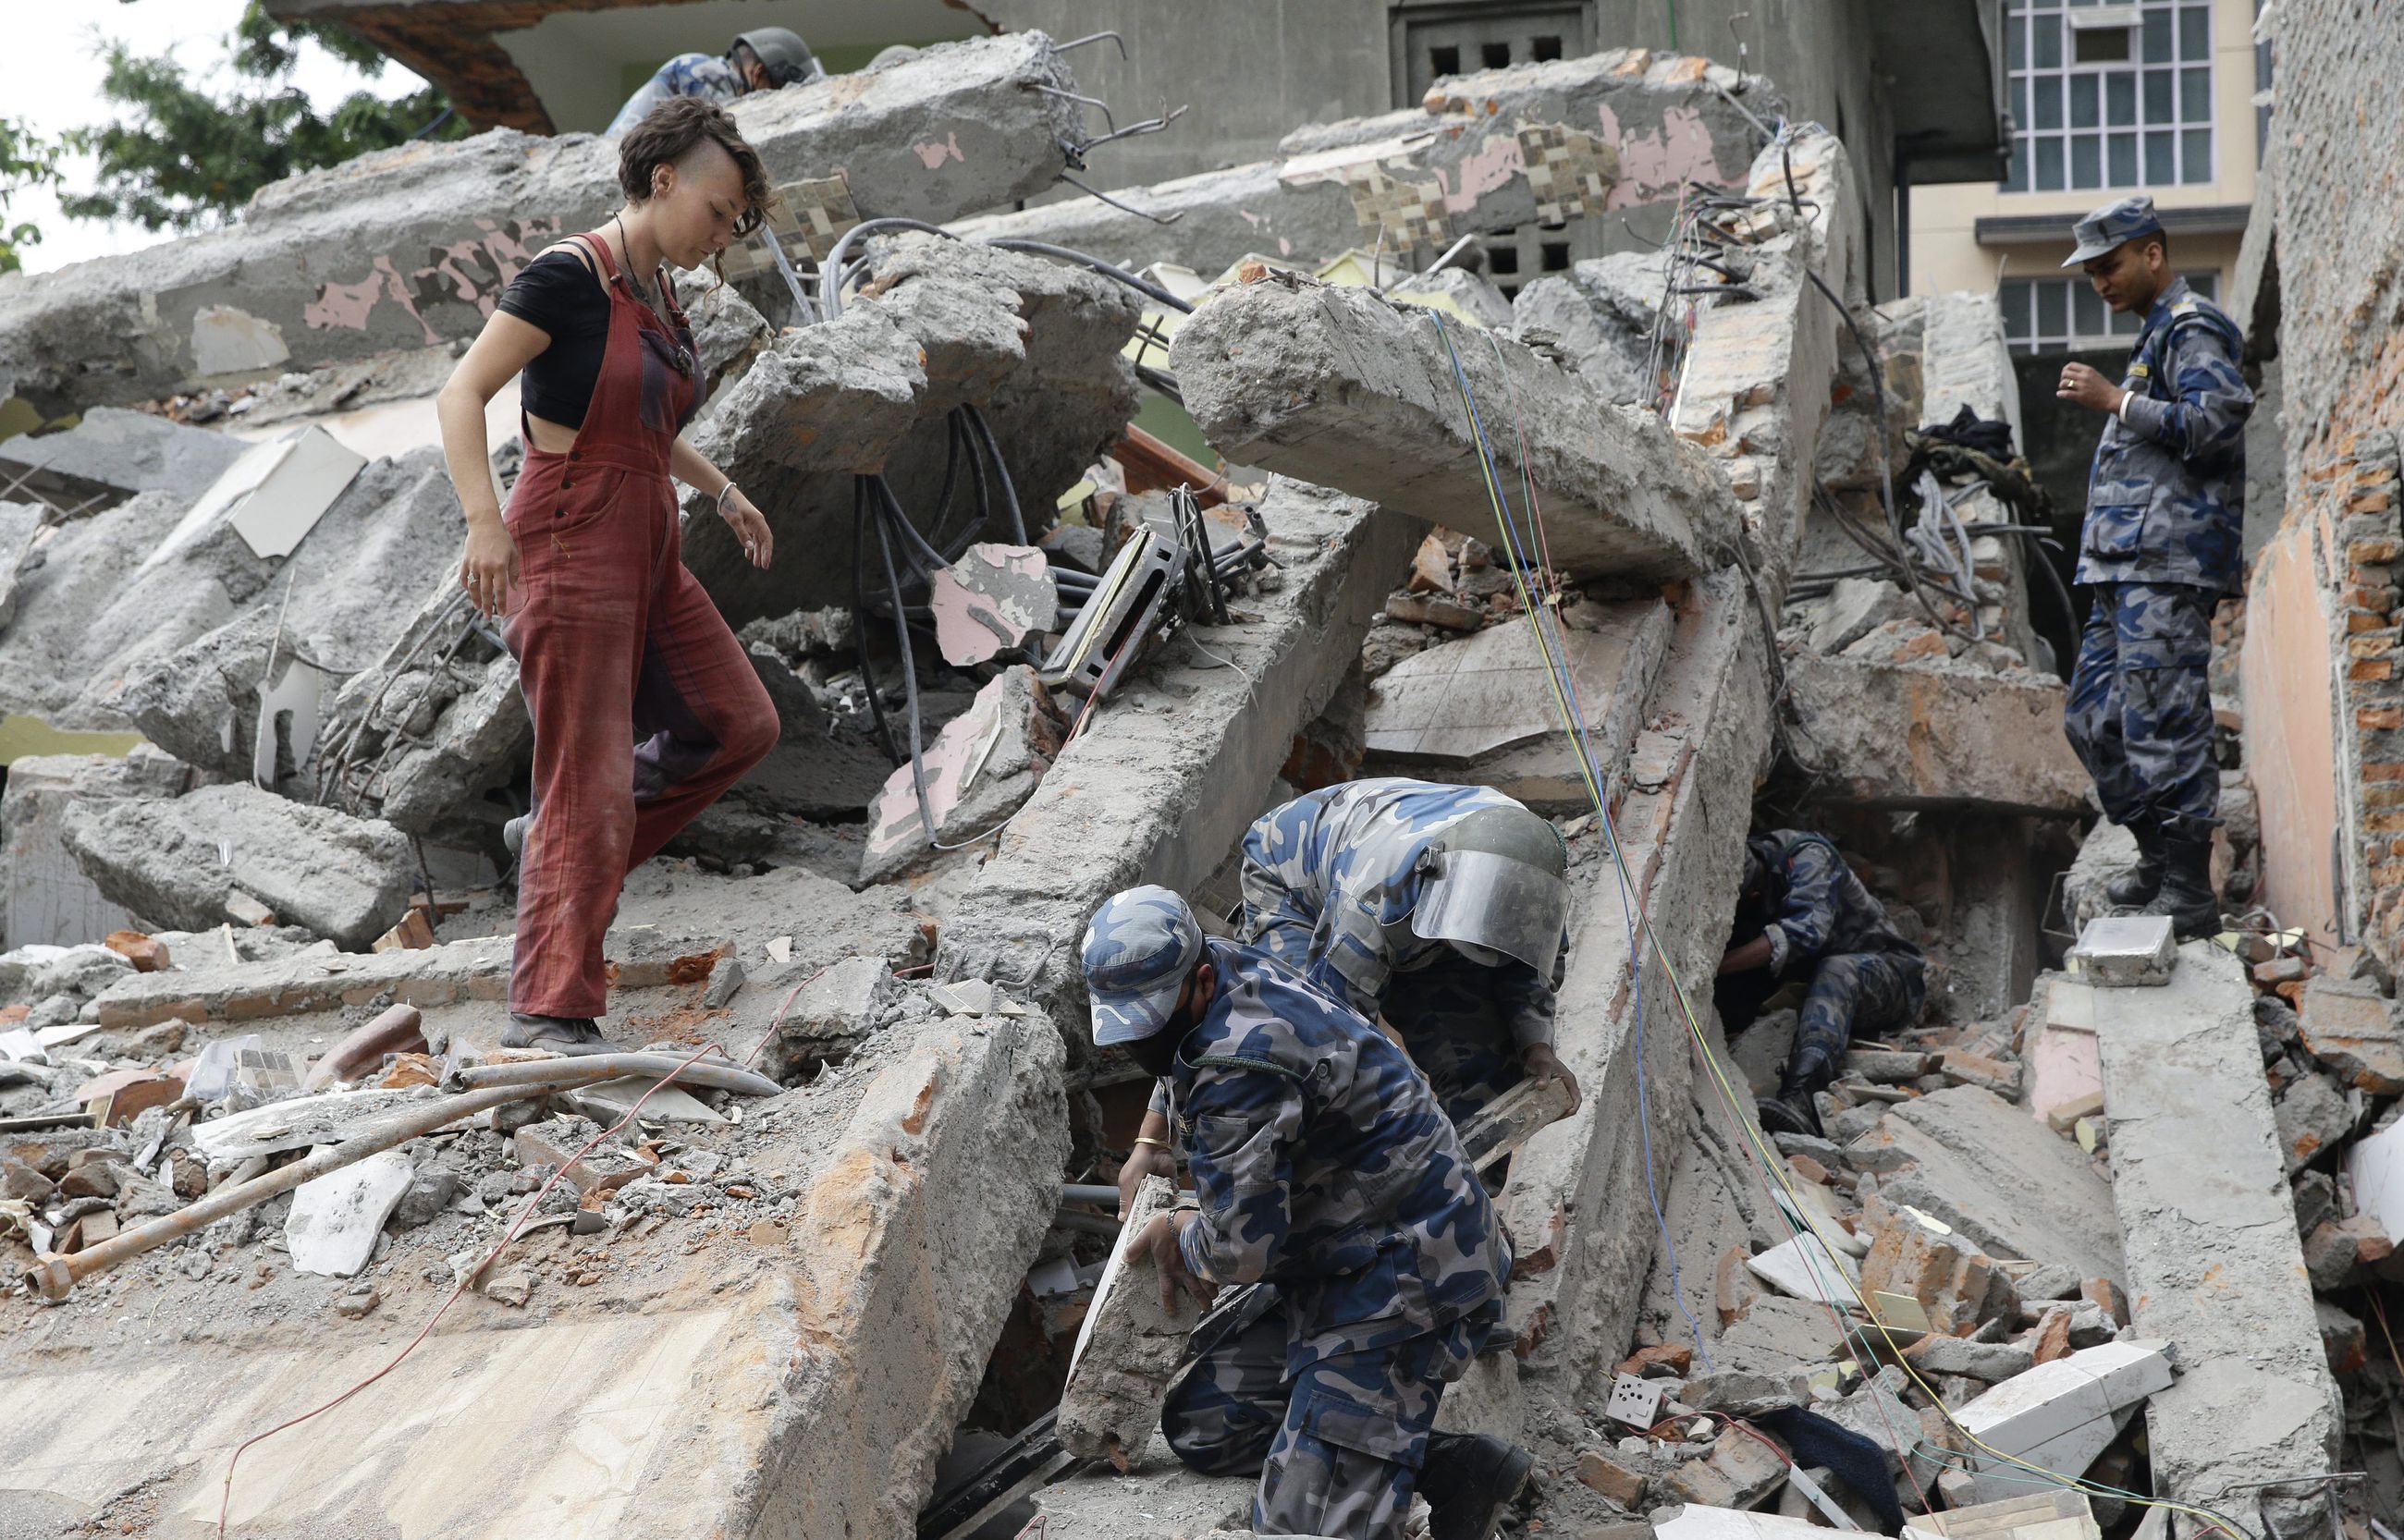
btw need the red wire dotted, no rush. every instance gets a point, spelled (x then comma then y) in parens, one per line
(224, 1500)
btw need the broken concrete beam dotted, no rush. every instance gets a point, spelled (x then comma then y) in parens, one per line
(177, 860)
(2125, 951)
(1757, 376)
(409, 247)
(1128, 1349)
(1680, 827)
(50, 902)
(313, 981)
(985, 762)
(1598, 136)
(2350, 1026)
(2060, 1416)
(2214, 1262)
(112, 454)
(2007, 1183)
(1346, 388)
(1481, 710)
(1161, 795)
(1034, 343)
(1936, 736)
(322, 615)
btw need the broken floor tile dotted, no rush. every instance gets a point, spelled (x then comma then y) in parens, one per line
(336, 1218)
(1807, 1267)
(995, 599)
(983, 764)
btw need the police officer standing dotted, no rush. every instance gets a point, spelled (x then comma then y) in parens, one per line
(2165, 504)
(1323, 1169)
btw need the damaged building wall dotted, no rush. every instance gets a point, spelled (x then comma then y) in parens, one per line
(2324, 587)
(430, 233)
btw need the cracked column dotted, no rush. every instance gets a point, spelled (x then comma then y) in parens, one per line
(411, 246)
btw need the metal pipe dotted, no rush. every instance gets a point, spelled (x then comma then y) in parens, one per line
(1091, 1223)
(54, 1276)
(1089, 1192)
(593, 1068)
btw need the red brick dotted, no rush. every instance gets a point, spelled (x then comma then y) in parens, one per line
(2371, 718)
(2367, 669)
(2365, 553)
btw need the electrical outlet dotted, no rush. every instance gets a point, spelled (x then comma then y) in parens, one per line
(1633, 1401)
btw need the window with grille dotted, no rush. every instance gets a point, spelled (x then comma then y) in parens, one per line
(2065, 315)
(2109, 95)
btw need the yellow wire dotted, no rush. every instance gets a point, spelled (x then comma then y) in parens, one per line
(1555, 671)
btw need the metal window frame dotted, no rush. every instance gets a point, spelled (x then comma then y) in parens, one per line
(2019, 14)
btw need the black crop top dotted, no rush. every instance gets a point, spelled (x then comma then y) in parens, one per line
(558, 292)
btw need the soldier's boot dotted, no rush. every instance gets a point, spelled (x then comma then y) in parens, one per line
(1793, 1110)
(2186, 894)
(1468, 1480)
(2137, 886)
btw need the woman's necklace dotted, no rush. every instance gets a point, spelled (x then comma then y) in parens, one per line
(626, 246)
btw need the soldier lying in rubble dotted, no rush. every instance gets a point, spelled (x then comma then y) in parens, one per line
(1440, 908)
(614, 637)
(1803, 914)
(1323, 1167)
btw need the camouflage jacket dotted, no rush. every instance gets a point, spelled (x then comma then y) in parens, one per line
(703, 75)
(1330, 879)
(1811, 905)
(1321, 1161)
(2166, 497)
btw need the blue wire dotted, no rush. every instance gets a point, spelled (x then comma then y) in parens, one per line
(1555, 658)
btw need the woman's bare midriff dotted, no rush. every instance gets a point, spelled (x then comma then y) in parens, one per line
(550, 437)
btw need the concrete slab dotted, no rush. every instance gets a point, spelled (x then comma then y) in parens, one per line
(2215, 1265)
(1936, 736)
(1175, 765)
(1346, 388)
(50, 902)
(2005, 1181)
(411, 246)
(2060, 1416)
(111, 454)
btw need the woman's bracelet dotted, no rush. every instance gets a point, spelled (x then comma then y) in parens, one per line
(722, 495)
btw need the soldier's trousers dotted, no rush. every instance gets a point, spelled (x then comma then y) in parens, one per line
(1456, 1031)
(2140, 709)
(1862, 991)
(1338, 1437)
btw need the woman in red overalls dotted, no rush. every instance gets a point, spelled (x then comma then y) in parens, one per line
(614, 637)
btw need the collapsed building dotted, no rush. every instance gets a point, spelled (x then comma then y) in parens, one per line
(1667, 543)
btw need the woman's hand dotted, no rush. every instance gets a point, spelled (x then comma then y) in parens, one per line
(490, 567)
(751, 527)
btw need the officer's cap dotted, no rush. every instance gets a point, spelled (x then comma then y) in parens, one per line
(2116, 224)
(1137, 951)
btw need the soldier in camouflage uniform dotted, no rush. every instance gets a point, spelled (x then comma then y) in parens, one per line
(1323, 1169)
(2164, 506)
(1804, 914)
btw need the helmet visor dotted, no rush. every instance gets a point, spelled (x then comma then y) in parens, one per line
(1484, 899)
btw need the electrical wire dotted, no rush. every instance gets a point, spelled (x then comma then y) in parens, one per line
(1768, 1168)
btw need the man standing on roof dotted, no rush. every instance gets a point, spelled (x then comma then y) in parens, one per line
(1443, 908)
(1323, 1170)
(1803, 914)
(2165, 504)
(763, 59)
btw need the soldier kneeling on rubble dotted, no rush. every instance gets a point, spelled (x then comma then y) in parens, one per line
(1442, 908)
(1803, 914)
(1323, 1169)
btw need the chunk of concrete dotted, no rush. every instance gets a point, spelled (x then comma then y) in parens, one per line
(335, 1219)
(2062, 1414)
(111, 454)
(1343, 387)
(1482, 709)
(409, 247)
(1598, 318)
(1128, 1349)
(1854, 608)
(836, 1011)
(2215, 1265)
(2313, 1117)
(2125, 951)
(179, 860)
(2351, 1027)
(1936, 736)
(50, 902)
(1739, 1472)
(1991, 1363)
(983, 764)
(2000, 1178)
(1943, 1274)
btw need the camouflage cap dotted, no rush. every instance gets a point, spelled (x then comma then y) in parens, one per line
(2113, 225)
(1139, 949)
